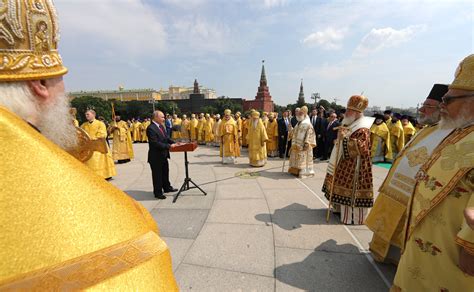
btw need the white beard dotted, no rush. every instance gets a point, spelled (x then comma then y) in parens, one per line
(348, 120)
(54, 119)
(462, 120)
(299, 118)
(429, 120)
(56, 125)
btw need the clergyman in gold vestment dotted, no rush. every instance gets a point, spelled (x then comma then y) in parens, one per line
(122, 149)
(387, 217)
(101, 163)
(438, 235)
(63, 227)
(257, 138)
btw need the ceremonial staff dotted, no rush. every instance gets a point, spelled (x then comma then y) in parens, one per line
(331, 190)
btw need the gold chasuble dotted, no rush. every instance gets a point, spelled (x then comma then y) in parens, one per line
(387, 217)
(397, 138)
(102, 164)
(207, 130)
(257, 138)
(193, 129)
(176, 131)
(143, 127)
(408, 131)
(122, 144)
(272, 144)
(185, 130)
(435, 228)
(245, 130)
(380, 140)
(229, 141)
(136, 133)
(65, 228)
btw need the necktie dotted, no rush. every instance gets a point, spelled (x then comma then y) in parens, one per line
(161, 130)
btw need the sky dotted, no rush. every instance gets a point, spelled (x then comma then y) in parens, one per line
(392, 51)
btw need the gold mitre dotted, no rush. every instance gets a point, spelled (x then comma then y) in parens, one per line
(271, 115)
(304, 109)
(358, 103)
(464, 76)
(227, 112)
(29, 38)
(238, 114)
(255, 114)
(193, 115)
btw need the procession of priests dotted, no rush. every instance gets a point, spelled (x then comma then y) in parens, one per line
(61, 234)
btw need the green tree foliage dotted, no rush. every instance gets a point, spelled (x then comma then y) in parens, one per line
(128, 110)
(101, 107)
(209, 109)
(225, 103)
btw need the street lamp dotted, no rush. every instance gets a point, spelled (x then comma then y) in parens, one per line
(316, 97)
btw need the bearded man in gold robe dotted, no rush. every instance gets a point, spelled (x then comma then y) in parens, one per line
(63, 227)
(257, 138)
(303, 140)
(238, 120)
(438, 235)
(229, 139)
(397, 136)
(143, 128)
(380, 140)
(216, 128)
(176, 128)
(101, 163)
(193, 128)
(200, 126)
(122, 148)
(272, 133)
(387, 217)
(185, 136)
(245, 130)
(207, 130)
(408, 129)
(349, 183)
(136, 131)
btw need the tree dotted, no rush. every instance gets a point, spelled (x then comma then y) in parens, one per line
(225, 103)
(209, 109)
(101, 107)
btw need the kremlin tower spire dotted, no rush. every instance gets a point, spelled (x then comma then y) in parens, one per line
(301, 100)
(263, 93)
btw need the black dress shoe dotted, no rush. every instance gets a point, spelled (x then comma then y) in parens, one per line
(170, 190)
(160, 197)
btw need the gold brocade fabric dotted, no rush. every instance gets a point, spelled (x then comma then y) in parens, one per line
(193, 129)
(383, 132)
(55, 210)
(435, 228)
(101, 163)
(257, 137)
(229, 137)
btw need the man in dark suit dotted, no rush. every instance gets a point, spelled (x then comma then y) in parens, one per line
(169, 125)
(330, 135)
(284, 124)
(319, 122)
(294, 121)
(158, 155)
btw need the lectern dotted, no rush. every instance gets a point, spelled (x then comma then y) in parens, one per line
(185, 147)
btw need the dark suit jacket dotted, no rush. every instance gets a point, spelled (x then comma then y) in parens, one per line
(293, 121)
(330, 133)
(158, 144)
(282, 130)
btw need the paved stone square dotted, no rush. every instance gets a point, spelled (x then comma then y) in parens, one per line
(258, 229)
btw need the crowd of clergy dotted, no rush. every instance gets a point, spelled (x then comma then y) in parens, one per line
(64, 228)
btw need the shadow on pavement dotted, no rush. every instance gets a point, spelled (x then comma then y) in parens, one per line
(141, 195)
(321, 271)
(291, 217)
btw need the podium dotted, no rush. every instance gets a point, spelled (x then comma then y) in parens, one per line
(185, 147)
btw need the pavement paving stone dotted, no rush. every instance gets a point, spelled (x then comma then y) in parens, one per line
(180, 223)
(178, 248)
(238, 211)
(325, 271)
(235, 247)
(198, 278)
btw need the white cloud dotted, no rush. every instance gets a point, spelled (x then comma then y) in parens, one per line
(274, 3)
(197, 34)
(328, 39)
(380, 38)
(127, 27)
